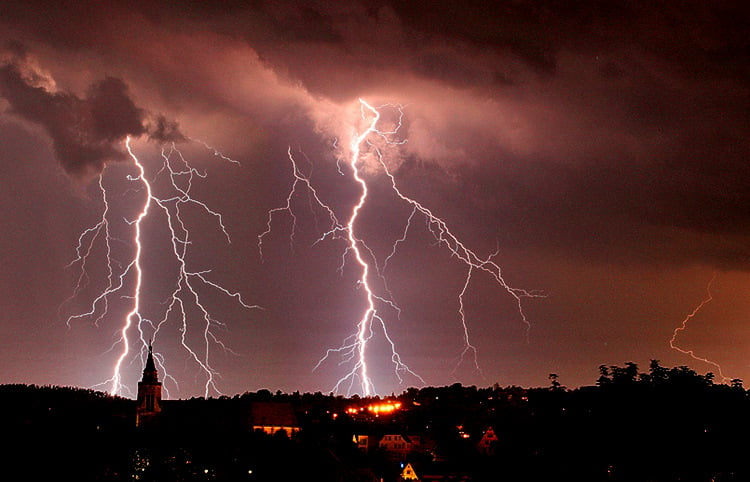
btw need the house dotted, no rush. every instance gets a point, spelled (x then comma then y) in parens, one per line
(413, 471)
(408, 473)
(486, 444)
(400, 444)
(272, 417)
(363, 442)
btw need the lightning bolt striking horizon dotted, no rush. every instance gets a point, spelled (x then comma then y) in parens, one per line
(683, 326)
(366, 146)
(185, 293)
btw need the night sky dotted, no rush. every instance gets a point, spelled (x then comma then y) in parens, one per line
(596, 151)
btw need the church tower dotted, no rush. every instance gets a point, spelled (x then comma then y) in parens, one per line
(149, 393)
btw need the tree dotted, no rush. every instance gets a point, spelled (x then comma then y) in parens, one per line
(627, 374)
(657, 373)
(554, 382)
(605, 377)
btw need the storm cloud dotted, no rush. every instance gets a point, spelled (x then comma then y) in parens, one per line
(86, 132)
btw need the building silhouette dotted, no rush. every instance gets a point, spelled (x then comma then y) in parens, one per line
(149, 394)
(272, 417)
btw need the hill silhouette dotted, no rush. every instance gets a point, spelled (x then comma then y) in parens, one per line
(664, 424)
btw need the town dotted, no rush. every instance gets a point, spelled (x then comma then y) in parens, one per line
(663, 424)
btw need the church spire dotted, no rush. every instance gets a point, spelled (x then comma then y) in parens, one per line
(149, 372)
(149, 392)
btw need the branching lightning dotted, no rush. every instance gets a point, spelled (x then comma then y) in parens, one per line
(683, 326)
(137, 329)
(365, 146)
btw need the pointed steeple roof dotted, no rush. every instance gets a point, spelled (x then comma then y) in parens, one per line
(149, 372)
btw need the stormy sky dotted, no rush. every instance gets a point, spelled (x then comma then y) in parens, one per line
(596, 151)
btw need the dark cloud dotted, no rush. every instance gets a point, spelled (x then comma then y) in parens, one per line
(113, 113)
(85, 132)
(162, 129)
(68, 120)
(586, 112)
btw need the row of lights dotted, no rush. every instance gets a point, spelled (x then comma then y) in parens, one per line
(384, 408)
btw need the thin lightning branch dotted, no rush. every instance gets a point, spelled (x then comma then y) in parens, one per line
(216, 152)
(86, 242)
(354, 349)
(468, 346)
(299, 179)
(457, 249)
(444, 236)
(188, 283)
(683, 326)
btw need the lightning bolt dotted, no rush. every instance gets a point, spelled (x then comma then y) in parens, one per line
(187, 284)
(364, 146)
(683, 326)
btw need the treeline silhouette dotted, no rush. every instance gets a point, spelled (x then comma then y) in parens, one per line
(662, 424)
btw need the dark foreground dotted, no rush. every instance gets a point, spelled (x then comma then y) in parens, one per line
(660, 425)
